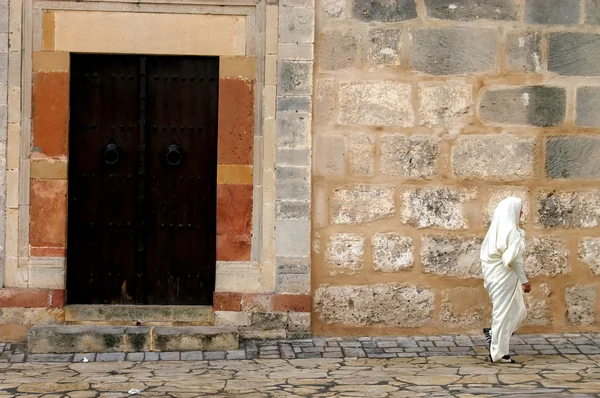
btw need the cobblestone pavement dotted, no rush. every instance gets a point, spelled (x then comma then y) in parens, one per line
(367, 347)
(536, 376)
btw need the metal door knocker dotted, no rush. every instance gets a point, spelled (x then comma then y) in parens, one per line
(111, 153)
(174, 155)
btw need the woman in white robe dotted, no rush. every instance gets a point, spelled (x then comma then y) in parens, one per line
(504, 279)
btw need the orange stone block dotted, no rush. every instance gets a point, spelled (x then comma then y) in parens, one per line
(292, 302)
(234, 209)
(234, 247)
(51, 113)
(223, 301)
(48, 251)
(236, 121)
(48, 212)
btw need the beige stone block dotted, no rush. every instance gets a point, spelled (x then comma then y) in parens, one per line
(48, 169)
(47, 278)
(14, 69)
(48, 31)
(149, 33)
(269, 187)
(32, 316)
(12, 189)
(237, 277)
(268, 238)
(267, 278)
(13, 146)
(269, 146)
(271, 70)
(330, 155)
(51, 61)
(12, 232)
(15, 276)
(320, 206)
(237, 67)
(231, 318)
(14, 104)
(269, 95)
(296, 52)
(272, 33)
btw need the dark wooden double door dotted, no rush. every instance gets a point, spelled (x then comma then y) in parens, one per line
(142, 180)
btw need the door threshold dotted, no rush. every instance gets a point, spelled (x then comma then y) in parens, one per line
(139, 314)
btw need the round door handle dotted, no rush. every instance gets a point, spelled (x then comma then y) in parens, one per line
(174, 155)
(111, 153)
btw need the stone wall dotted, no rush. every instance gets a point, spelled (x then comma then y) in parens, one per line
(427, 114)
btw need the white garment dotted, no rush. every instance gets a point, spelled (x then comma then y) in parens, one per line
(502, 267)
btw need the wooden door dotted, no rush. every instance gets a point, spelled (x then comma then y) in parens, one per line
(142, 180)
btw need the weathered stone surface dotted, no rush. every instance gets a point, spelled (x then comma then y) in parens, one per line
(574, 54)
(552, 12)
(294, 78)
(362, 203)
(330, 155)
(538, 306)
(581, 305)
(333, 8)
(445, 104)
(546, 256)
(269, 321)
(293, 130)
(345, 253)
(134, 313)
(384, 47)
(296, 25)
(137, 339)
(592, 12)
(195, 338)
(589, 253)
(409, 157)
(392, 252)
(496, 194)
(530, 105)
(337, 50)
(436, 207)
(292, 183)
(72, 339)
(496, 157)
(361, 154)
(455, 256)
(385, 11)
(575, 157)
(454, 51)
(568, 209)
(385, 304)
(323, 100)
(523, 52)
(463, 307)
(469, 10)
(588, 103)
(376, 103)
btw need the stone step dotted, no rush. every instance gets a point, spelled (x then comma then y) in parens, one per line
(146, 315)
(44, 339)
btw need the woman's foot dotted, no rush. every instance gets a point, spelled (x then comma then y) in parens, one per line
(504, 359)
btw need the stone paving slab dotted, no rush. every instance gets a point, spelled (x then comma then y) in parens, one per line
(336, 347)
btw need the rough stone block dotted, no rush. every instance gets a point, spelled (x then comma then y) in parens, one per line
(292, 210)
(376, 103)
(345, 253)
(552, 12)
(294, 78)
(293, 283)
(299, 321)
(392, 252)
(455, 256)
(496, 157)
(581, 305)
(409, 157)
(589, 253)
(546, 256)
(323, 100)
(195, 338)
(362, 203)
(568, 209)
(293, 130)
(384, 10)
(523, 52)
(576, 157)
(496, 194)
(592, 12)
(574, 54)
(538, 306)
(337, 50)
(333, 8)
(463, 307)
(473, 10)
(454, 51)
(541, 106)
(269, 321)
(292, 183)
(292, 265)
(384, 47)
(301, 103)
(73, 339)
(330, 155)
(361, 154)
(296, 25)
(383, 304)
(137, 339)
(445, 104)
(588, 103)
(436, 207)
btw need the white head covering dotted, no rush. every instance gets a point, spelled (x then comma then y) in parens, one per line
(502, 239)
